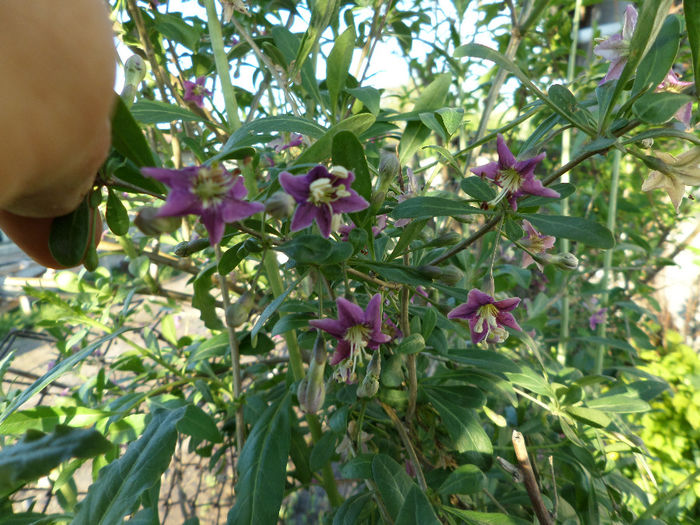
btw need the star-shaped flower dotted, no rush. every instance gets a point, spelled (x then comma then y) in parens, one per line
(616, 49)
(279, 144)
(516, 177)
(536, 242)
(195, 91)
(355, 329)
(675, 85)
(678, 173)
(208, 191)
(320, 194)
(486, 316)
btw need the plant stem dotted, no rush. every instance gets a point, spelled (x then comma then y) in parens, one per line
(235, 359)
(296, 363)
(222, 65)
(533, 490)
(468, 241)
(607, 264)
(407, 443)
(565, 158)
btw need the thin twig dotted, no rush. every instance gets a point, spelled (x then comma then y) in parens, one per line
(468, 241)
(373, 280)
(533, 490)
(407, 443)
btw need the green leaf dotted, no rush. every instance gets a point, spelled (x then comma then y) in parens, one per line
(57, 371)
(307, 249)
(347, 151)
(358, 467)
(70, 235)
(478, 188)
(262, 466)
(369, 96)
(231, 258)
(172, 26)
(622, 403)
(350, 512)
(469, 396)
(691, 10)
(472, 517)
(198, 424)
(411, 344)
(590, 416)
(416, 509)
(466, 479)
(435, 207)
(430, 99)
(451, 119)
(574, 228)
(658, 61)
(203, 300)
(37, 454)
(321, 15)
(288, 44)
(410, 232)
(485, 360)
(657, 108)
(322, 452)
(529, 379)
(320, 150)
(462, 424)
(338, 64)
(271, 308)
(392, 482)
(568, 106)
(156, 112)
(45, 418)
(121, 483)
(128, 139)
(116, 215)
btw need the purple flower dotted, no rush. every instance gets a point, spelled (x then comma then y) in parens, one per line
(598, 317)
(515, 177)
(208, 191)
(616, 49)
(486, 316)
(279, 145)
(345, 230)
(195, 91)
(320, 194)
(536, 243)
(675, 85)
(355, 329)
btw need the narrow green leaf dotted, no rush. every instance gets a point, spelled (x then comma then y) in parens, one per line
(261, 468)
(691, 10)
(369, 96)
(116, 215)
(462, 424)
(472, 517)
(288, 44)
(657, 108)
(466, 479)
(203, 300)
(478, 188)
(352, 509)
(70, 234)
(128, 139)
(174, 27)
(321, 14)
(483, 360)
(57, 371)
(197, 423)
(157, 112)
(410, 232)
(121, 483)
(574, 228)
(435, 207)
(45, 418)
(623, 403)
(416, 509)
(658, 61)
(392, 481)
(322, 452)
(590, 416)
(322, 148)
(469, 396)
(37, 454)
(271, 308)
(338, 64)
(430, 99)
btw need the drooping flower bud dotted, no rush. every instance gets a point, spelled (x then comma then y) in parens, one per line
(446, 239)
(150, 223)
(238, 312)
(370, 384)
(134, 73)
(450, 275)
(430, 272)
(187, 248)
(312, 389)
(280, 205)
(389, 167)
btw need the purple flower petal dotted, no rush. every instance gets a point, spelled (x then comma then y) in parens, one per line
(463, 311)
(296, 185)
(505, 158)
(323, 219)
(214, 224)
(477, 337)
(349, 313)
(303, 216)
(373, 313)
(490, 170)
(237, 211)
(527, 167)
(477, 298)
(506, 305)
(342, 352)
(334, 327)
(350, 204)
(238, 191)
(507, 319)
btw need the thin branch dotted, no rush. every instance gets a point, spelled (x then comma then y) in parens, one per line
(533, 490)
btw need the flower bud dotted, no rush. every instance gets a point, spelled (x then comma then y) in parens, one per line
(238, 312)
(430, 272)
(311, 391)
(370, 384)
(565, 261)
(451, 275)
(149, 223)
(187, 248)
(134, 70)
(446, 239)
(280, 205)
(389, 167)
